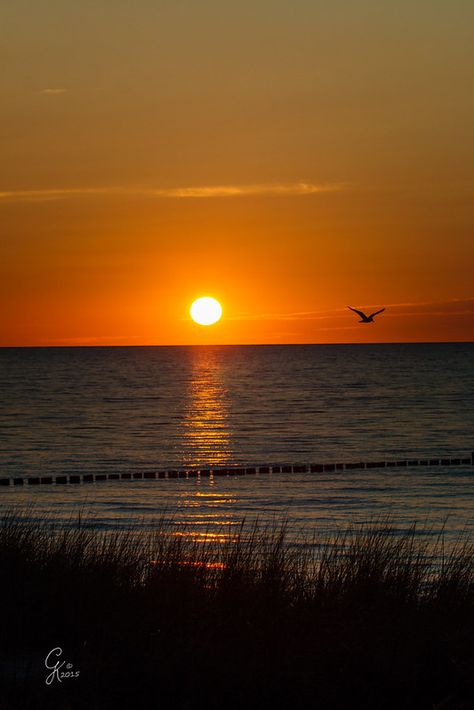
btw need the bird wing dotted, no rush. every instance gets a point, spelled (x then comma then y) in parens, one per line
(376, 313)
(362, 315)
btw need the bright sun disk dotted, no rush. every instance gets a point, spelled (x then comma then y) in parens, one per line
(206, 311)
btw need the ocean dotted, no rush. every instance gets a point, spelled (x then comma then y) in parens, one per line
(132, 409)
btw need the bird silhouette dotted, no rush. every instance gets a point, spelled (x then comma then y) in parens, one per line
(364, 317)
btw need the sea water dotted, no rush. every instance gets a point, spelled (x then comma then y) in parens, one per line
(128, 409)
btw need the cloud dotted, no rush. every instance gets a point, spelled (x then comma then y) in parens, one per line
(454, 306)
(203, 192)
(296, 315)
(55, 194)
(93, 340)
(298, 188)
(52, 91)
(393, 310)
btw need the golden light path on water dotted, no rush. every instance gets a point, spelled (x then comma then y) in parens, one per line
(207, 442)
(206, 436)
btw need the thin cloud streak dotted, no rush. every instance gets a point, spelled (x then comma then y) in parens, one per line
(55, 194)
(428, 308)
(299, 188)
(420, 304)
(204, 192)
(93, 340)
(302, 315)
(53, 92)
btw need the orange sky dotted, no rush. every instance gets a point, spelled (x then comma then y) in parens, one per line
(288, 159)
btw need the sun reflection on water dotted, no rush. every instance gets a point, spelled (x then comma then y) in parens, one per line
(207, 440)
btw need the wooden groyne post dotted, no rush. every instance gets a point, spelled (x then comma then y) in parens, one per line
(83, 478)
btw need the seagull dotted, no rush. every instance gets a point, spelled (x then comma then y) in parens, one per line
(364, 318)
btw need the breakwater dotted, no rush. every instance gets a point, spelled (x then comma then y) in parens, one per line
(81, 478)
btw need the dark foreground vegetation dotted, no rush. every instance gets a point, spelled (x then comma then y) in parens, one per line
(159, 620)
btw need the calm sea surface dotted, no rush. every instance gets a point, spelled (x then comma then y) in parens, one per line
(67, 410)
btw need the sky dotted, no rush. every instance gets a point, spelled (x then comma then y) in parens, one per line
(289, 159)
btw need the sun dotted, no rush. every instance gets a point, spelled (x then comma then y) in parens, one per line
(206, 311)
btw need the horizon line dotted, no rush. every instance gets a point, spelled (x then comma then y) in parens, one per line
(232, 345)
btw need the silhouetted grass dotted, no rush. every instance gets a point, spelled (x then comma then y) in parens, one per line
(375, 618)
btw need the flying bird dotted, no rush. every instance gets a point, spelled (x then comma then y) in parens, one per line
(364, 317)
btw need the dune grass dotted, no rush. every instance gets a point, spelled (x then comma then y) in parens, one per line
(373, 618)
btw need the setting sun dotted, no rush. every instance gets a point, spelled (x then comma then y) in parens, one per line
(206, 311)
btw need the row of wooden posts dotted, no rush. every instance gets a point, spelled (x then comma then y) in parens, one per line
(72, 478)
